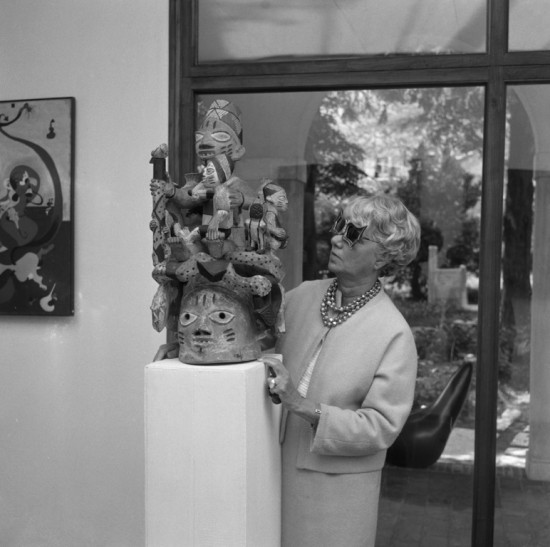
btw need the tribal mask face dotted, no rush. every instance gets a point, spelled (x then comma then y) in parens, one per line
(220, 132)
(216, 326)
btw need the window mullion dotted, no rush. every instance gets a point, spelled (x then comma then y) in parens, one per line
(497, 30)
(488, 315)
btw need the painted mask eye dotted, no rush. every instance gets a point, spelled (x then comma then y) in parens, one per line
(221, 136)
(222, 317)
(186, 318)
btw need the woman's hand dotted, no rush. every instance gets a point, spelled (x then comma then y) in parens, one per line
(278, 379)
(279, 383)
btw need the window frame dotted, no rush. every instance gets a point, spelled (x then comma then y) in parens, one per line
(494, 70)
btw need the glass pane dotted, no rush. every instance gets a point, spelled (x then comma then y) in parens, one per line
(241, 30)
(424, 145)
(523, 444)
(529, 23)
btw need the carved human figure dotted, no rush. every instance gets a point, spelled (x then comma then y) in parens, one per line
(256, 228)
(220, 132)
(217, 216)
(276, 202)
(218, 192)
(216, 325)
(219, 144)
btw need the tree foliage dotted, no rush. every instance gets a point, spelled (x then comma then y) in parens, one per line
(419, 143)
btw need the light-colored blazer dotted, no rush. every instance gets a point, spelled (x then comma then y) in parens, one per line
(364, 380)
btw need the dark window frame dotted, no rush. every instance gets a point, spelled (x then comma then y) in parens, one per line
(494, 70)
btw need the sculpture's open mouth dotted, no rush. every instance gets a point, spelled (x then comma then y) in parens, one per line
(202, 339)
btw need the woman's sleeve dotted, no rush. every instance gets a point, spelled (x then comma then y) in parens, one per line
(386, 407)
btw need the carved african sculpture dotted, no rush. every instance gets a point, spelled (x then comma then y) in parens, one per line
(216, 324)
(256, 228)
(220, 292)
(275, 202)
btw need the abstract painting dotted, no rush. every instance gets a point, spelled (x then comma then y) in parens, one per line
(36, 206)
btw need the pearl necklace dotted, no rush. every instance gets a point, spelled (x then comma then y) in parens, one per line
(344, 312)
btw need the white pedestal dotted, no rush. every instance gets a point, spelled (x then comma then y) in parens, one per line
(213, 469)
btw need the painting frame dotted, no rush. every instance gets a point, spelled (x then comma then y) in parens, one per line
(37, 161)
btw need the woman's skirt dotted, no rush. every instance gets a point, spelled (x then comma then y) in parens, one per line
(325, 509)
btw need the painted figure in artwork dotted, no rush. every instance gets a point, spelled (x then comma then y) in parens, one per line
(19, 190)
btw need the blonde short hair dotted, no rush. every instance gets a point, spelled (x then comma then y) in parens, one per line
(390, 224)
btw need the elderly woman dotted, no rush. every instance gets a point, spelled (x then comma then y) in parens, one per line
(348, 379)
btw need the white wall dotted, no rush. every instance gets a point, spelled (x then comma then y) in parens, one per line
(71, 389)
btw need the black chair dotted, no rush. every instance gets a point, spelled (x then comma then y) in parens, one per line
(426, 432)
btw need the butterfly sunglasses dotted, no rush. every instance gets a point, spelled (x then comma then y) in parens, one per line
(350, 233)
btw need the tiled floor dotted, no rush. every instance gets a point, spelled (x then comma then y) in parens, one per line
(432, 508)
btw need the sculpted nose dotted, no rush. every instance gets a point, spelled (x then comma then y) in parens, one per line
(202, 328)
(202, 332)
